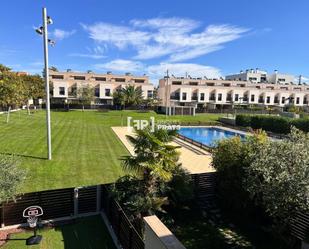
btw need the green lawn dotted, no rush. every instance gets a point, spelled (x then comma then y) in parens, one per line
(85, 149)
(86, 233)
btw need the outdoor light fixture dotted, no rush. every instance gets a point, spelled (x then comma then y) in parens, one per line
(39, 30)
(49, 20)
(43, 31)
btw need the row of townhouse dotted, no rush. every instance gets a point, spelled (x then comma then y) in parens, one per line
(66, 84)
(192, 93)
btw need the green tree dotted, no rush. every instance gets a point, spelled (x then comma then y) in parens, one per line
(118, 98)
(12, 91)
(279, 175)
(11, 177)
(34, 88)
(4, 68)
(85, 95)
(154, 162)
(231, 158)
(152, 101)
(128, 96)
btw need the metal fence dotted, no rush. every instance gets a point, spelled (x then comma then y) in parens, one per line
(195, 143)
(71, 202)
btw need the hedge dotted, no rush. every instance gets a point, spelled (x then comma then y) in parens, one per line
(275, 124)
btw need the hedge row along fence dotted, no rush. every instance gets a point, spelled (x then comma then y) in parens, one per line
(274, 124)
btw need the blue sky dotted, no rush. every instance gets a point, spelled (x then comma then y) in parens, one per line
(211, 38)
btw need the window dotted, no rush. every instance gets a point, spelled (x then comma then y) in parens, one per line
(100, 78)
(276, 100)
(283, 80)
(212, 97)
(139, 81)
(268, 99)
(202, 96)
(97, 92)
(184, 96)
(176, 83)
(58, 77)
(252, 78)
(149, 94)
(193, 83)
(236, 97)
(79, 77)
(252, 97)
(297, 100)
(107, 92)
(194, 96)
(229, 97)
(61, 90)
(241, 85)
(120, 80)
(210, 84)
(283, 100)
(305, 101)
(226, 85)
(220, 97)
(283, 88)
(270, 87)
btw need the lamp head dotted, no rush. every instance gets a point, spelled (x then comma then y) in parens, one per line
(39, 30)
(49, 20)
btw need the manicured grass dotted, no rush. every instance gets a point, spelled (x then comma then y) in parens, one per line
(85, 149)
(86, 233)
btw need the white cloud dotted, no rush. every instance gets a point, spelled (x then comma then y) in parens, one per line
(60, 34)
(121, 66)
(96, 52)
(120, 36)
(175, 38)
(92, 56)
(180, 69)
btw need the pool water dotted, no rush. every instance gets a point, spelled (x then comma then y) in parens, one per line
(207, 135)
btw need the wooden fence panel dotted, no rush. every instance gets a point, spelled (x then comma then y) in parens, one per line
(87, 199)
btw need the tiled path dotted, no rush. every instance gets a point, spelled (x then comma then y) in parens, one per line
(192, 158)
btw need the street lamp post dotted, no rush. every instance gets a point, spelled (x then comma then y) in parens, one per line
(43, 31)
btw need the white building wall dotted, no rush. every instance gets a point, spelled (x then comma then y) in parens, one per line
(56, 89)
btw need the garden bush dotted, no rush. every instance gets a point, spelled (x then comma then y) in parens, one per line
(243, 120)
(275, 124)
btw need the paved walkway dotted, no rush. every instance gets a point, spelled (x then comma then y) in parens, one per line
(192, 158)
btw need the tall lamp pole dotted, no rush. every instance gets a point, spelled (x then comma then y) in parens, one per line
(43, 31)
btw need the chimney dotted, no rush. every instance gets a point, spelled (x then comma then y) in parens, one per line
(299, 79)
(257, 70)
(276, 71)
(241, 71)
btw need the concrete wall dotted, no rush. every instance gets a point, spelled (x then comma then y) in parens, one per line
(158, 236)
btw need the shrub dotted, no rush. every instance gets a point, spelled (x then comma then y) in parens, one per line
(243, 120)
(301, 123)
(275, 124)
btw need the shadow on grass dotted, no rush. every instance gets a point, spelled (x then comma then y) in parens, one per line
(86, 233)
(22, 155)
(195, 231)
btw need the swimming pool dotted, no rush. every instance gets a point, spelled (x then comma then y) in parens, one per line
(208, 135)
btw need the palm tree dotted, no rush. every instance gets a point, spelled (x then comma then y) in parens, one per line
(132, 95)
(154, 161)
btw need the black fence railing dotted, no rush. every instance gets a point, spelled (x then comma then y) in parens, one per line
(129, 237)
(195, 143)
(71, 202)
